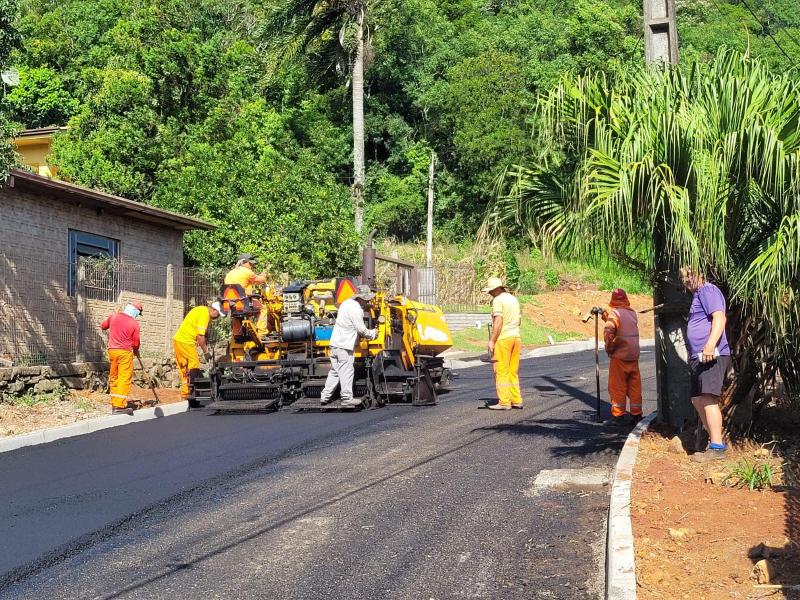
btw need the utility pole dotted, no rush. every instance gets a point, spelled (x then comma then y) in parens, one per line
(672, 377)
(429, 245)
(660, 32)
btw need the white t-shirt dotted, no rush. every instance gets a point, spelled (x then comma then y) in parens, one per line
(349, 325)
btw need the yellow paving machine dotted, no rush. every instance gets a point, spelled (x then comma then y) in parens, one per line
(278, 352)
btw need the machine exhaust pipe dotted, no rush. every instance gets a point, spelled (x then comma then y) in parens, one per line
(368, 260)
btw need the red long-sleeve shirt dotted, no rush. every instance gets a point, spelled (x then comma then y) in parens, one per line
(123, 332)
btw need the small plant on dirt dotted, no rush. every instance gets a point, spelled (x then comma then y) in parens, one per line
(84, 404)
(551, 278)
(30, 397)
(749, 474)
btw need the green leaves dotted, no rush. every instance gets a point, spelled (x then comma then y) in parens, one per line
(704, 157)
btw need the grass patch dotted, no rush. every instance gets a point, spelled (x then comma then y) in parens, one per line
(31, 398)
(750, 474)
(475, 340)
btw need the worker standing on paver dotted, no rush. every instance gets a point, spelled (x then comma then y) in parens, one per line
(123, 344)
(244, 274)
(505, 345)
(621, 335)
(349, 326)
(190, 335)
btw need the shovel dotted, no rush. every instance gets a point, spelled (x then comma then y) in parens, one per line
(150, 383)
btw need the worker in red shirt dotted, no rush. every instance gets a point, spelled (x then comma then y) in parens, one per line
(123, 344)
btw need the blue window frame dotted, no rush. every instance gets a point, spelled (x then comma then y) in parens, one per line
(90, 245)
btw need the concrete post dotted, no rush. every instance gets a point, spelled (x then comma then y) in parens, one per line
(80, 313)
(168, 307)
(660, 32)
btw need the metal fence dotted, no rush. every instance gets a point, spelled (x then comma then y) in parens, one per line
(50, 311)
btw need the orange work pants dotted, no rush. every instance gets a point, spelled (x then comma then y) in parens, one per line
(624, 381)
(186, 359)
(120, 376)
(506, 371)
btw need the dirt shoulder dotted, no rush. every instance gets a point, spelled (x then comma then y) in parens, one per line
(694, 537)
(562, 310)
(48, 411)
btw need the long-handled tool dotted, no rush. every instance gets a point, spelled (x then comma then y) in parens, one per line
(596, 311)
(149, 383)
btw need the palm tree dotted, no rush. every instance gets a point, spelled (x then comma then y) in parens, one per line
(696, 165)
(335, 33)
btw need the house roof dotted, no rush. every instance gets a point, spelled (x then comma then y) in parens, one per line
(25, 181)
(40, 131)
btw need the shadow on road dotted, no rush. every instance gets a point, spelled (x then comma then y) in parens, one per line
(580, 439)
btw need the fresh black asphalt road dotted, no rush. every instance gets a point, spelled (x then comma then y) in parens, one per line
(401, 502)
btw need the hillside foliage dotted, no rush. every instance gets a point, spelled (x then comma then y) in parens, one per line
(196, 105)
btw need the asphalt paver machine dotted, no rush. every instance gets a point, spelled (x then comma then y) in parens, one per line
(278, 352)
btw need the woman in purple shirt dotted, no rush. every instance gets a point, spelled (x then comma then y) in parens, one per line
(709, 357)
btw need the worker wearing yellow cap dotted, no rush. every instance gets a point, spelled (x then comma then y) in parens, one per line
(505, 344)
(190, 334)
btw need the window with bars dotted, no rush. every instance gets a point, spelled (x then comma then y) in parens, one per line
(99, 256)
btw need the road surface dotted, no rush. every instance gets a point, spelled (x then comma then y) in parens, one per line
(401, 502)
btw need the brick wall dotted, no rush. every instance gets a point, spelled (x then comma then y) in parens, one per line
(35, 310)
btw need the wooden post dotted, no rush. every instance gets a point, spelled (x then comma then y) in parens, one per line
(80, 311)
(168, 307)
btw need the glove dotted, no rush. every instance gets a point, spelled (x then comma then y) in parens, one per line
(372, 334)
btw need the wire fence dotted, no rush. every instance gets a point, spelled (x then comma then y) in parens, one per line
(51, 311)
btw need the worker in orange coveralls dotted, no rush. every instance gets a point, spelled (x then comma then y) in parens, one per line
(621, 335)
(191, 333)
(123, 344)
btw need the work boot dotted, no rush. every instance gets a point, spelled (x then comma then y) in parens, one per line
(121, 411)
(518, 406)
(499, 407)
(325, 401)
(615, 421)
(709, 455)
(635, 419)
(352, 404)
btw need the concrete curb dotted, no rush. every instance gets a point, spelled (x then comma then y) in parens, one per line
(620, 558)
(555, 350)
(570, 347)
(52, 434)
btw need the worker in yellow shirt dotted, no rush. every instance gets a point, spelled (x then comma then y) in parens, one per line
(505, 345)
(244, 274)
(190, 334)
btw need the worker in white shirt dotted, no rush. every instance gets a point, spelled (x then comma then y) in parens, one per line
(349, 326)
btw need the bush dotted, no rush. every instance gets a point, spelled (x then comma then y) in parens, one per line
(551, 278)
(528, 282)
(512, 269)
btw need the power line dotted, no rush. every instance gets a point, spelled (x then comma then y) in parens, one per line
(765, 30)
(785, 27)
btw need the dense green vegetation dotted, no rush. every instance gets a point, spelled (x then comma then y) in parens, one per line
(696, 166)
(216, 108)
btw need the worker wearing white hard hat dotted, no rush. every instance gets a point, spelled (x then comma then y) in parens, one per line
(505, 344)
(190, 334)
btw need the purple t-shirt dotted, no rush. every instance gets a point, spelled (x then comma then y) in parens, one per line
(707, 300)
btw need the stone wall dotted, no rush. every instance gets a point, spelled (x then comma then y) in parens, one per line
(15, 381)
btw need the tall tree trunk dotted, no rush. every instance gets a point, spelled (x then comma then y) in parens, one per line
(358, 128)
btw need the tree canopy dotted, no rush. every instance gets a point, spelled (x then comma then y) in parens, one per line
(194, 104)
